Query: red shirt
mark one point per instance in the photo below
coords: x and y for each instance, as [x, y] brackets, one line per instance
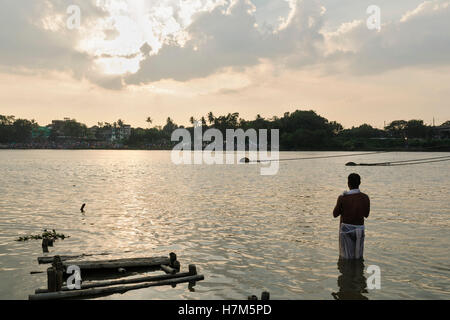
[352, 208]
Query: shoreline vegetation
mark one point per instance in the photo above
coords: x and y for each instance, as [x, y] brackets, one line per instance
[299, 131]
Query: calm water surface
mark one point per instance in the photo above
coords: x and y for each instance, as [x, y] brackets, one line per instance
[245, 232]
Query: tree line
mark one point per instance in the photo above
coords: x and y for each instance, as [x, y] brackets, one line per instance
[299, 130]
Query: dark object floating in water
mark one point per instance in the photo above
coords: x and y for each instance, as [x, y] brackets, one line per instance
[51, 236]
[82, 207]
[245, 160]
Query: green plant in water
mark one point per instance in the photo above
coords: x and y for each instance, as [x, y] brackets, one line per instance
[52, 235]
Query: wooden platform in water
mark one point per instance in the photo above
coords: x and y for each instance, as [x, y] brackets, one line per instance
[56, 276]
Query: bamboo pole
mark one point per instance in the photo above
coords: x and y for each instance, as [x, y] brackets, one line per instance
[110, 290]
[125, 281]
[46, 260]
[119, 263]
[168, 269]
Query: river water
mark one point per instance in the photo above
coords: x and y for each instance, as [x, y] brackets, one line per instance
[247, 233]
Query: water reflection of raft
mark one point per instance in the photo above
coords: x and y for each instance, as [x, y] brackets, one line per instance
[109, 269]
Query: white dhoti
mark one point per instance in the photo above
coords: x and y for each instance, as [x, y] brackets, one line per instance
[351, 241]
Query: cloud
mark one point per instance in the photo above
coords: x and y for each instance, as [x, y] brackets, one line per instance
[229, 36]
[138, 42]
[31, 37]
[419, 38]
[34, 39]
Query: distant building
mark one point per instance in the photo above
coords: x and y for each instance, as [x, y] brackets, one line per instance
[41, 132]
[58, 125]
[442, 132]
[92, 131]
[121, 133]
[101, 133]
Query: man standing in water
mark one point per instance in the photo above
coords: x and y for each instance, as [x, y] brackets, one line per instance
[353, 206]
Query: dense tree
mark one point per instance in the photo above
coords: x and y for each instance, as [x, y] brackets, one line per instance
[299, 130]
[397, 128]
[15, 130]
[336, 127]
[170, 126]
[416, 129]
[363, 131]
[23, 129]
[211, 118]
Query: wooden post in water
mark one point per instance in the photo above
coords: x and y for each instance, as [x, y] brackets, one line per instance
[177, 265]
[59, 272]
[265, 295]
[193, 272]
[174, 263]
[192, 269]
[45, 245]
[173, 258]
[51, 279]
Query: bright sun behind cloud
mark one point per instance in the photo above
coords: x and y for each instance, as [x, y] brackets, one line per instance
[116, 40]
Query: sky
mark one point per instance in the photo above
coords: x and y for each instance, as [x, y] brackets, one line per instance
[132, 59]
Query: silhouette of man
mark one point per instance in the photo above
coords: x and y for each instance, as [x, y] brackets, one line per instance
[352, 206]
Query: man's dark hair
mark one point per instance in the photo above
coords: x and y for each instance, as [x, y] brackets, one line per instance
[354, 180]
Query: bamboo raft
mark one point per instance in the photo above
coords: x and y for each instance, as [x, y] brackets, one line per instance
[56, 275]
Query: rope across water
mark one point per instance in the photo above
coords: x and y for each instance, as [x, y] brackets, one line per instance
[312, 158]
[388, 163]
[402, 162]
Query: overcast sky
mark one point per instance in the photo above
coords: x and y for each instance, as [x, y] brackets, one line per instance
[132, 59]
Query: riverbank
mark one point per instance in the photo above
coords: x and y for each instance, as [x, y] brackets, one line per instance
[106, 146]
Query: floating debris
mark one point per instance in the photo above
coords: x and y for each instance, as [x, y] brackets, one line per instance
[50, 235]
